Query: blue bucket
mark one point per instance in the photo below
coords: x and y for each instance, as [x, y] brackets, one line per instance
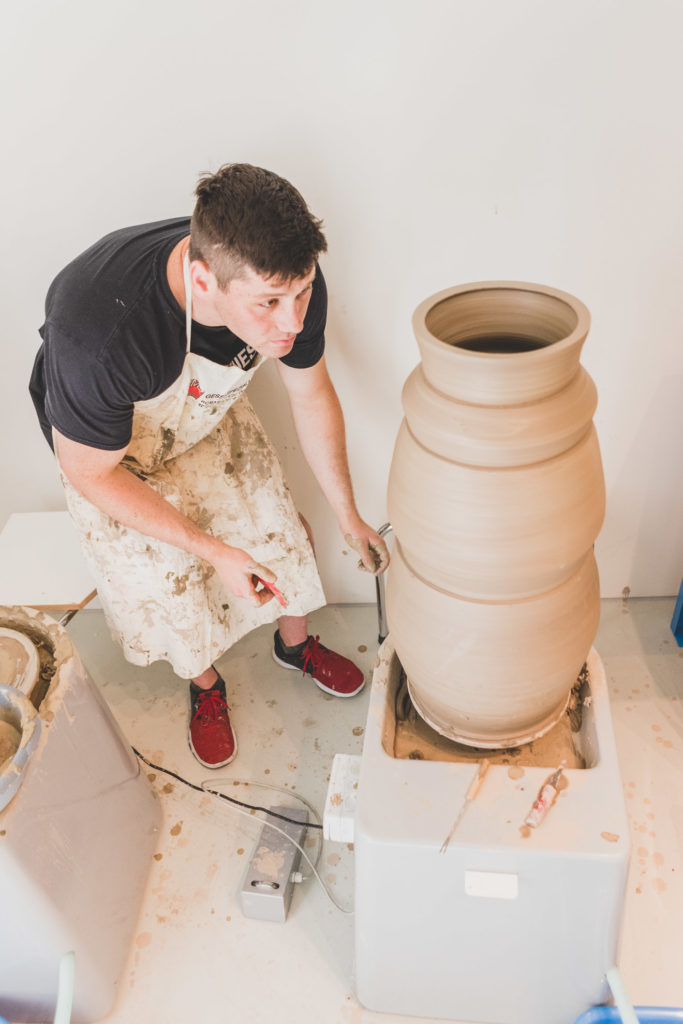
[645, 1014]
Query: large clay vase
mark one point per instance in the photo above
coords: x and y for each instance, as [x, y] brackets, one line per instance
[496, 496]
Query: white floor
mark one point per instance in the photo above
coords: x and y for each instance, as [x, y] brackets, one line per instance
[195, 958]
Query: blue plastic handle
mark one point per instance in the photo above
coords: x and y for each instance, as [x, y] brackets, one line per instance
[645, 1014]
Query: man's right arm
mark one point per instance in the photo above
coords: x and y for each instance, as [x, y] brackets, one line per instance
[101, 478]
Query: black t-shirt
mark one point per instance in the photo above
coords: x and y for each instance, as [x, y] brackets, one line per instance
[114, 335]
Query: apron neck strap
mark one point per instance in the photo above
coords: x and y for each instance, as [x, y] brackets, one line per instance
[188, 302]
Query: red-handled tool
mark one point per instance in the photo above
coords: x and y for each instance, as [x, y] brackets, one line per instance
[271, 587]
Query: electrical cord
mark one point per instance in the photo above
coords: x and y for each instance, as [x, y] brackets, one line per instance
[242, 808]
[223, 796]
[275, 789]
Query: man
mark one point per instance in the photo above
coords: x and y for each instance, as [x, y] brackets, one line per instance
[150, 338]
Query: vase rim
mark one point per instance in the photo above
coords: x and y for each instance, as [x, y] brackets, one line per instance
[428, 305]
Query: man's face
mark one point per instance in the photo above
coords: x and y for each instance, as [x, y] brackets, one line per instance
[266, 313]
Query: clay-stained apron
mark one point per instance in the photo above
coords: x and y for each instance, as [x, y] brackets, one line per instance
[201, 447]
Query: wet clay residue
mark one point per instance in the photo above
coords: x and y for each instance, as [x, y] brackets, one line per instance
[10, 738]
[376, 558]
[179, 582]
[576, 698]
[177, 829]
[374, 553]
[269, 862]
[13, 660]
[42, 641]
[609, 837]
[515, 772]
[166, 442]
[203, 518]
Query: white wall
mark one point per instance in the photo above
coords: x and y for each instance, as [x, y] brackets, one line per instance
[442, 142]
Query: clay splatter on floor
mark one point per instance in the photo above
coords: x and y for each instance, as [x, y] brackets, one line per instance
[177, 829]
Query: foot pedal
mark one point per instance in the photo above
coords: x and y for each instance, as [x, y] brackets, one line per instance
[267, 888]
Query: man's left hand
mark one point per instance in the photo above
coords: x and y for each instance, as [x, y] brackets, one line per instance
[374, 554]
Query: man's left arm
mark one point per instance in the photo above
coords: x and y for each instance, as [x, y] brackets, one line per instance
[320, 426]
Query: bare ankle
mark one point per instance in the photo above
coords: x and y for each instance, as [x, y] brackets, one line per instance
[206, 679]
[293, 629]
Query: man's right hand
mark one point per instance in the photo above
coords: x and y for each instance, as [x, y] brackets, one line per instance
[238, 573]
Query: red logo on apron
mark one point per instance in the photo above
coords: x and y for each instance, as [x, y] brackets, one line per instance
[194, 389]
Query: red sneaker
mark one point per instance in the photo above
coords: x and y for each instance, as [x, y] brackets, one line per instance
[211, 737]
[332, 672]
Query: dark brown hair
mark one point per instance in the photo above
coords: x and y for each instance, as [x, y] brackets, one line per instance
[246, 215]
